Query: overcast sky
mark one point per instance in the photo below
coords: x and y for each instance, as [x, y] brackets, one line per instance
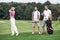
[26, 1]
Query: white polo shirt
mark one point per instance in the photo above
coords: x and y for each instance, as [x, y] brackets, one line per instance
[35, 15]
[47, 14]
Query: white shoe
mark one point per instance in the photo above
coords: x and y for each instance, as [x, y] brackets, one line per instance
[32, 32]
[17, 34]
[39, 32]
[12, 34]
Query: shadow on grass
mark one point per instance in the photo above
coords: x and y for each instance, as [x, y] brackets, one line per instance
[29, 36]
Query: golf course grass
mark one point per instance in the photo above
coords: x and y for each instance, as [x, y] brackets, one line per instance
[25, 28]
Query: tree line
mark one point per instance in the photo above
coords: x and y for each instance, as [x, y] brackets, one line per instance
[24, 10]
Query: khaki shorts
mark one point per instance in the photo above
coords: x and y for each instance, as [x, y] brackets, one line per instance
[35, 24]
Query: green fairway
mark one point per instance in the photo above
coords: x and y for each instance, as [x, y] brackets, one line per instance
[25, 28]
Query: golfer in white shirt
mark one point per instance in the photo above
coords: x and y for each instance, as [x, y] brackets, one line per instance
[47, 15]
[35, 19]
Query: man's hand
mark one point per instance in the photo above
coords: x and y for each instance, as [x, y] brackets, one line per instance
[42, 14]
[38, 20]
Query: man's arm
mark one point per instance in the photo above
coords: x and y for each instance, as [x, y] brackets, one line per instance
[51, 17]
[39, 15]
[43, 13]
[32, 17]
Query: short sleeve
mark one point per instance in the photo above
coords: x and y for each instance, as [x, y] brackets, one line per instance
[50, 11]
[38, 13]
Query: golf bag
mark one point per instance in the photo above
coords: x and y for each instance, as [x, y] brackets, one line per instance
[49, 27]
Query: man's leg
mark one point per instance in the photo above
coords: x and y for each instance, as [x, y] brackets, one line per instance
[15, 28]
[12, 28]
[43, 25]
[38, 28]
[33, 28]
[17, 33]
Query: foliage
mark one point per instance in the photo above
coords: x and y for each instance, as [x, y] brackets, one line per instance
[24, 10]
